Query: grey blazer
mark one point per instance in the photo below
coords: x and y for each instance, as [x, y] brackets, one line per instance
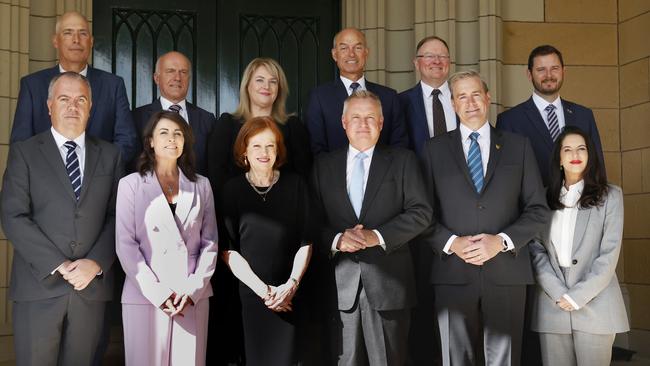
[591, 280]
[47, 225]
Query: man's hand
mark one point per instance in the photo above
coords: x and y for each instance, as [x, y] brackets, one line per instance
[352, 240]
[483, 247]
[459, 244]
[62, 268]
[564, 304]
[369, 236]
[81, 272]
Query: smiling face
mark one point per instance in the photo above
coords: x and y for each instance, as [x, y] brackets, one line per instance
[573, 157]
[350, 53]
[173, 76]
[69, 106]
[261, 151]
[432, 62]
[262, 88]
[471, 102]
[167, 140]
[72, 40]
[362, 122]
[547, 75]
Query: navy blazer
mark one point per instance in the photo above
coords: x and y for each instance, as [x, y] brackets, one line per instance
[201, 122]
[326, 108]
[415, 116]
[110, 116]
[525, 119]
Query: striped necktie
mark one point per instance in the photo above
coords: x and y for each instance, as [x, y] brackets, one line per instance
[354, 86]
[175, 108]
[553, 124]
[72, 166]
[475, 163]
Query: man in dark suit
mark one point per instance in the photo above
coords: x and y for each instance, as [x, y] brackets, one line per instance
[544, 114]
[373, 203]
[58, 211]
[427, 106]
[488, 202]
[350, 53]
[110, 118]
[172, 75]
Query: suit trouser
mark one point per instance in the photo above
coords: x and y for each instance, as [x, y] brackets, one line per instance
[579, 348]
[371, 337]
[63, 330]
[480, 317]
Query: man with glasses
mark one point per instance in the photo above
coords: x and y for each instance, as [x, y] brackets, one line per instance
[427, 106]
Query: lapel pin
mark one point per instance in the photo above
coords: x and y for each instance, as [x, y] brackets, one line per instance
[497, 146]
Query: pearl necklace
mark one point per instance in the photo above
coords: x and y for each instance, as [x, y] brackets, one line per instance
[263, 193]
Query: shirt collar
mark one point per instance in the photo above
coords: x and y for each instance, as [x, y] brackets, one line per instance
[427, 89]
[347, 82]
[570, 197]
[483, 131]
[165, 104]
[60, 140]
[352, 152]
[541, 103]
[83, 72]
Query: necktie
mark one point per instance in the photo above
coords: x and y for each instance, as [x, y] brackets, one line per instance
[175, 108]
[354, 86]
[439, 124]
[356, 183]
[553, 124]
[475, 163]
[72, 166]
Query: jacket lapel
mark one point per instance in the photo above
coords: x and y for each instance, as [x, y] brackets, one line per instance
[52, 155]
[92, 156]
[186, 196]
[96, 89]
[378, 168]
[581, 226]
[536, 120]
[569, 116]
[193, 115]
[159, 210]
[339, 182]
[454, 139]
[421, 124]
[496, 142]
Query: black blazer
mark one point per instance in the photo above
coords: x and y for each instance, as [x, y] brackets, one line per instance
[525, 119]
[201, 122]
[325, 109]
[512, 201]
[394, 203]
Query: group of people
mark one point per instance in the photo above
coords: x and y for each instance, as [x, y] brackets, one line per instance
[385, 229]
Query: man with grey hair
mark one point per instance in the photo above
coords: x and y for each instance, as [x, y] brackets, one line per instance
[323, 116]
[488, 203]
[58, 212]
[110, 118]
[371, 202]
[172, 76]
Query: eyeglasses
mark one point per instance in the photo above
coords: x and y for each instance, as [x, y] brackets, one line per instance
[431, 57]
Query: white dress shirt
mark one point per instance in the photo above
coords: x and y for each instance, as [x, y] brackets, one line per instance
[445, 99]
[347, 82]
[83, 72]
[349, 165]
[541, 105]
[484, 145]
[563, 226]
[165, 104]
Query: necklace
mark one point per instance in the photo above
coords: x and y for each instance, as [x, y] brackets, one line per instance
[263, 192]
[170, 189]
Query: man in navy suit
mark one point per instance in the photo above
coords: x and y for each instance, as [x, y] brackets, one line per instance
[110, 117]
[325, 108]
[172, 75]
[427, 106]
[544, 115]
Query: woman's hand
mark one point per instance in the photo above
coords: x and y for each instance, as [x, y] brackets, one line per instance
[181, 302]
[168, 306]
[283, 297]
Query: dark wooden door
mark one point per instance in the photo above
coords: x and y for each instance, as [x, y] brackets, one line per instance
[219, 37]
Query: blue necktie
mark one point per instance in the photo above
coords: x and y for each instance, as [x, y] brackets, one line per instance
[175, 108]
[553, 124]
[356, 183]
[475, 163]
[72, 166]
[355, 86]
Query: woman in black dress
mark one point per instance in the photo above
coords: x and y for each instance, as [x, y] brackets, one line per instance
[267, 241]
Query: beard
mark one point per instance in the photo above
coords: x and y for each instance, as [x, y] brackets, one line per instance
[541, 89]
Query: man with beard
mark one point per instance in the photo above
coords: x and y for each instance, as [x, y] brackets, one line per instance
[543, 116]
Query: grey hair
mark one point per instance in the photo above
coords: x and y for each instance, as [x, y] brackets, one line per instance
[346, 29]
[157, 67]
[68, 75]
[57, 27]
[363, 94]
[465, 74]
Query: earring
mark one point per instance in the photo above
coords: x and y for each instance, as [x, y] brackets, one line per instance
[245, 160]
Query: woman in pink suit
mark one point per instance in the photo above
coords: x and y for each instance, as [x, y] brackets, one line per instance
[166, 237]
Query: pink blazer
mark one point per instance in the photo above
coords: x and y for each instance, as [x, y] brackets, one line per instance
[159, 252]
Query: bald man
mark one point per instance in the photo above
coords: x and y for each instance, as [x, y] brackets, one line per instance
[110, 117]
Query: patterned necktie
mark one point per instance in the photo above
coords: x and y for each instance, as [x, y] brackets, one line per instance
[475, 163]
[553, 124]
[354, 86]
[439, 124]
[356, 183]
[72, 166]
[175, 108]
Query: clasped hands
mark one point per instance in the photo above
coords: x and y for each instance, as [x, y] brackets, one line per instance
[176, 304]
[279, 298]
[357, 238]
[79, 273]
[564, 304]
[477, 249]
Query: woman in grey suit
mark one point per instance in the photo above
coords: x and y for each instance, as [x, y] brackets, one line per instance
[579, 306]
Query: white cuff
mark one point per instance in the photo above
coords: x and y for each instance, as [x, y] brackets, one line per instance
[56, 269]
[382, 243]
[509, 244]
[333, 248]
[570, 300]
[447, 248]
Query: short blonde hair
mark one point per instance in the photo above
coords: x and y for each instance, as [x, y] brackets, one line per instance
[465, 74]
[279, 111]
[363, 94]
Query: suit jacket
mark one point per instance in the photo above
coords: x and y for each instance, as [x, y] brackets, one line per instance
[525, 119]
[110, 117]
[415, 116]
[591, 281]
[325, 109]
[201, 122]
[161, 252]
[47, 225]
[512, 201]
[395, 204]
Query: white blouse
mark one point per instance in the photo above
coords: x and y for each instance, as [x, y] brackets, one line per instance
[564, 223]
